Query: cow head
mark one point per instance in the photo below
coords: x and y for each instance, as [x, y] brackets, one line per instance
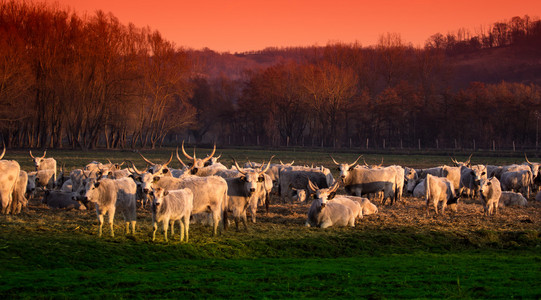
[251, 178]
[91, 191]
[485, 187]
[197, 164]
[158, 169]
[157, 195]
[37, 160]
[345, 168]
[460, 164]
[299, 194]
[212, 161]
[410, 177]
[322, 195]
[144, 179]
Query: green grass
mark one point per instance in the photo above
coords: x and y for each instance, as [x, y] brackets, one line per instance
[57, 254]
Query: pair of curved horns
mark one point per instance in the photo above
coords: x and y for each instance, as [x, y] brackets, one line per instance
[193, 158]
[135, 168]
[258, 173]
[45, 152]
[151, 163]
[314, 187]
[350, 165]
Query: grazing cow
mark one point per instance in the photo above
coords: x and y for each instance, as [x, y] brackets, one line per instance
[170, 206]
[110, 195]
[243, 192]
[438, 189]
[323, 213]
[517, 181]
[210, 193]
[411, 178]
[419, 191]
[512, 199]
[61, 200]
[361, 181]
[490, 192]
[9, 176]
[298, 195]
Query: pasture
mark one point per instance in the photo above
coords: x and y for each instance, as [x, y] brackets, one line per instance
[397, 253]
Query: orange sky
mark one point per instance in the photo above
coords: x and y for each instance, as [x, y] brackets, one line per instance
[243, 25]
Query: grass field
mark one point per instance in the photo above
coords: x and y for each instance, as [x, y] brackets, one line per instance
[399, 253]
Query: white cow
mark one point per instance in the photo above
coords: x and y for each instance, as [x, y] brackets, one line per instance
[170, 206]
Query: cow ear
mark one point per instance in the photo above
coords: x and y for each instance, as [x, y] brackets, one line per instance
[489, 183]
[242, 178]
[331, 196]
[165, 171]
[351, 168]
[472, 172]
[314, 196]
[97, 184]
[483, 173]
[338, 168]
[156, 179]
[166, 193]
[261, 179]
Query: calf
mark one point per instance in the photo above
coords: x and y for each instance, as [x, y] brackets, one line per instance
[368, 208]
[169, 206]
[438, 189]
[490, 192]
[110, 194]
[62, 200]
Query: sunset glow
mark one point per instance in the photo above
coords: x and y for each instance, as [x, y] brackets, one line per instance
[242, 25]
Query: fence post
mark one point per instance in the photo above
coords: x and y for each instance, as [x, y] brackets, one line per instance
[401, 145]
[287, 142]
[473, 144]
[383, 143]
[437, 144]
[493, 145]
[366, 143]
[514, 146]
[349, 143]
[419, 143]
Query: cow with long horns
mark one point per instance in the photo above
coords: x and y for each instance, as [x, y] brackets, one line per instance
[42, 163]
[158, 169]
[198, 165]
[362, 181]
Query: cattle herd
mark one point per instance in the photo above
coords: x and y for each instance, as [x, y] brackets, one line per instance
[205, 190]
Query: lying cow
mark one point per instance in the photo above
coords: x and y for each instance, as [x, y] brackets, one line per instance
[512, 199]
[170, 206]
[368, 208]
[61, 200]
[324, 213]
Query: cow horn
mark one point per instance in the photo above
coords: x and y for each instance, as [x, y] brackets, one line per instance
[210, 155]
[381, 162]
[349, 166]
[527, 158]
[30, 153]
[334, 160]
[334, 187]
[281, 162]
[44, 152]
[134, 168]
[109, 161]
[292, 162]
[454, 161]
[146, 160]
[268, 165]
[180, 160]
[237, 166]
[312, 186]
[365, 163]
[3, 151]
[469, 158]
[186, 154]
[169, 161]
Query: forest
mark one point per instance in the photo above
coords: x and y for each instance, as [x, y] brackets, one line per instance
[88, 81]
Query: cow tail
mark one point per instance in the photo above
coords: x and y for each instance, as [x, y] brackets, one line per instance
[225, 205]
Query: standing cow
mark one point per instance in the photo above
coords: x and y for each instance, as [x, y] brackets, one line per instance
[170, 206]
[110, 195]
[490, 193]
[9, 176]
[42, 163]
[438, 190]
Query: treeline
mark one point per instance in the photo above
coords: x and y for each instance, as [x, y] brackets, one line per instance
[89, 81]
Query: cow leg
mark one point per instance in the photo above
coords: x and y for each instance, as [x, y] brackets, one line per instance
[253, 211]
[155, 227]
[133, 226]
[111, 221]
[245, 220]
[443, 207]
[435, 203]
[216, 221]
[172, 224]
[165, 228]
[100, 221]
